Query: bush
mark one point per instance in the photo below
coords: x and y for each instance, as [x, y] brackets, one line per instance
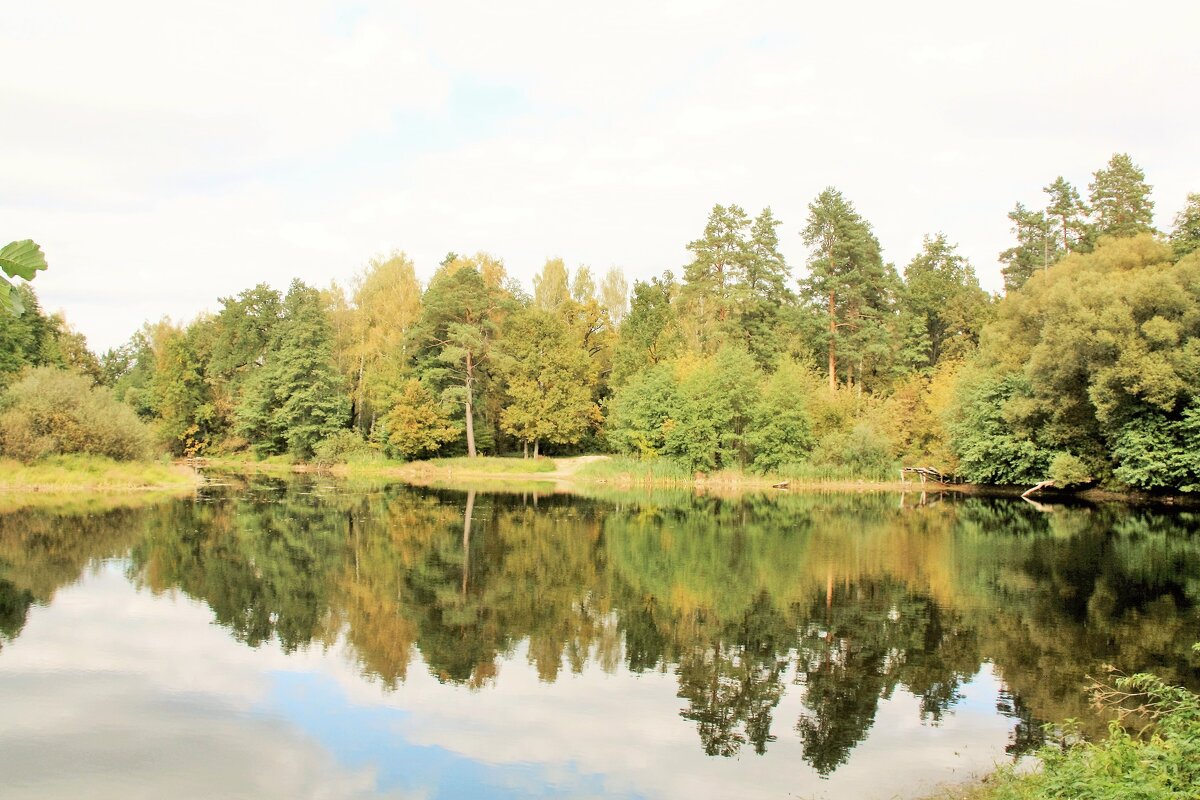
[342, 447]
[52, 412]
[863, 452]
[1162, 762]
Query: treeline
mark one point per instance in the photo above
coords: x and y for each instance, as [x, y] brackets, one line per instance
[1086, 370]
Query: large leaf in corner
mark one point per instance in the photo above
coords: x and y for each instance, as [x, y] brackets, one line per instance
[23, 258]
[10, 298]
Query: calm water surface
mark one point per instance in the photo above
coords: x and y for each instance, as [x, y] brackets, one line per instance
[307, 640]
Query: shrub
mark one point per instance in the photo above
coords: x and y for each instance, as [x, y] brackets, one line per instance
[863, 451]
[342, 447]
[52, 412]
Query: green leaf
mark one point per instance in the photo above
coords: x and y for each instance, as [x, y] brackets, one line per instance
[23, 258]
[10, 298]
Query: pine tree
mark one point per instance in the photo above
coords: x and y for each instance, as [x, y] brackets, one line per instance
[846, 277]
[762, 291]
[943, 294]
[297, 398]
[1035, 250]
[719, 262]
[453, 337]
[1067, 217]
[1120, 199]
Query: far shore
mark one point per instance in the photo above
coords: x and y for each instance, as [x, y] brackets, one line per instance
[67, 475]
[568, 472]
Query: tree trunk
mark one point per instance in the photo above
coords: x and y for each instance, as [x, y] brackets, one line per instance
[467, 538]
[470, 384]
[832, 350]
[536, 442]
[525, 449]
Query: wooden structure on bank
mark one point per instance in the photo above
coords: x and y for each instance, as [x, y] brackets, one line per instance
[925, 474]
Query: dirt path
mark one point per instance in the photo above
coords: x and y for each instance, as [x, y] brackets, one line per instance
[565, 468]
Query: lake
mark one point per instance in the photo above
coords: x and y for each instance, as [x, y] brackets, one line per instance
[304, 638]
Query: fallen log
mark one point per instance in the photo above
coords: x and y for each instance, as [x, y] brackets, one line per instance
[1038, 488]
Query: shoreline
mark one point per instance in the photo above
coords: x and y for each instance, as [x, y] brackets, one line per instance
[565, 475]
[93, 475]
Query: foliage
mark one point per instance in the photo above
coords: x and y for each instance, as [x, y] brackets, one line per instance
[1185, 236]
[296, 399]
[20, 259]
[863, 451]
[1162, 762]
[51, 412]
[416, 423]
[342, 447]
[1096, 357]
[1120, 198]
[780, 430]
[849, 282]
[546, 379]
[713, 415]
[943, 296]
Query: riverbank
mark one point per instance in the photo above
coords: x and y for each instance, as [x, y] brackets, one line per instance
[623, 472]
[76, 473]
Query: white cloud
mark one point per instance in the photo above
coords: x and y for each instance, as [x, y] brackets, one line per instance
[242, 142]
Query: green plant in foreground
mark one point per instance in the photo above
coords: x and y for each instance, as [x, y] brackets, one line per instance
[18, 259]
[1159, 761]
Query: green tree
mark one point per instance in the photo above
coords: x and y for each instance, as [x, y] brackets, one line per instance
[716, 401]
[848, 279]
[182, 397]
[547, 380]
[641, 412]
[650, 334]
[452, 338]
[26, 338]
[297, 398]
[1036, 247]
[942, 295]
[719, 261]
[1185, 236]
[1067, 216]
[1094, 359]
[416, 423]
[780, 430]
[1120, 198]
[762, 292]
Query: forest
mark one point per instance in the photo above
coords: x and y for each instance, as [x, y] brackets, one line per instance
[1086, 371]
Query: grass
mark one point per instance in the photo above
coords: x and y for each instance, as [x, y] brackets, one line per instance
[628, 469]
[666, 471]
[92, 473]
[491, 465]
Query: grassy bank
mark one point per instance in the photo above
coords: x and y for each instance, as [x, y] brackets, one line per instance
[628, 471]
[76, 473]
[1151, 752]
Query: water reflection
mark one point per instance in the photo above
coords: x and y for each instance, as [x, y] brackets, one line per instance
[839, 602]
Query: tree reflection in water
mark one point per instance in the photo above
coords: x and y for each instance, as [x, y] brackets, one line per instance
[844, 598]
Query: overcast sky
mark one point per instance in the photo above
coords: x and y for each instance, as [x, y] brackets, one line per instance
[167, 154]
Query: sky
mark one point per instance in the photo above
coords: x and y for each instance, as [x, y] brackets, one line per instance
[168, 154]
